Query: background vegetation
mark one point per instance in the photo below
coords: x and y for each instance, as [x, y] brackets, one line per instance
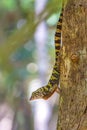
[25, 62]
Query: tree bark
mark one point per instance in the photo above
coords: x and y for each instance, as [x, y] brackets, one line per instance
[72, 110]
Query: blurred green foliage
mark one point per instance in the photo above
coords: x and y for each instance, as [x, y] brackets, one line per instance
[14, 55]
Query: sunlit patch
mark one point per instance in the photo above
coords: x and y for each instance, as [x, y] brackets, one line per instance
[52, 20]
[32, 67]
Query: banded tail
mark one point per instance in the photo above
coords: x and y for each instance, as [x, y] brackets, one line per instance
[46, 91]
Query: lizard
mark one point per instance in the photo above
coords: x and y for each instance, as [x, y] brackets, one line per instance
[46, 91]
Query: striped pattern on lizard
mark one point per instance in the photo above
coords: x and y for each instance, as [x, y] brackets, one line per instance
[46, 91]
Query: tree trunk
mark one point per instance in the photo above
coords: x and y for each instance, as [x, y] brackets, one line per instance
[72, 111]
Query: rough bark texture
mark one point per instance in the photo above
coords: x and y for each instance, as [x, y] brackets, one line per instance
[72, 110]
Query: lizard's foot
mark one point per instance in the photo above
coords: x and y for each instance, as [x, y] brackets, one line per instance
[58, 90]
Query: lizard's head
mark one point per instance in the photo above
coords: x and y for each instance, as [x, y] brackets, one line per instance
[38, 94]
[43, 93]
